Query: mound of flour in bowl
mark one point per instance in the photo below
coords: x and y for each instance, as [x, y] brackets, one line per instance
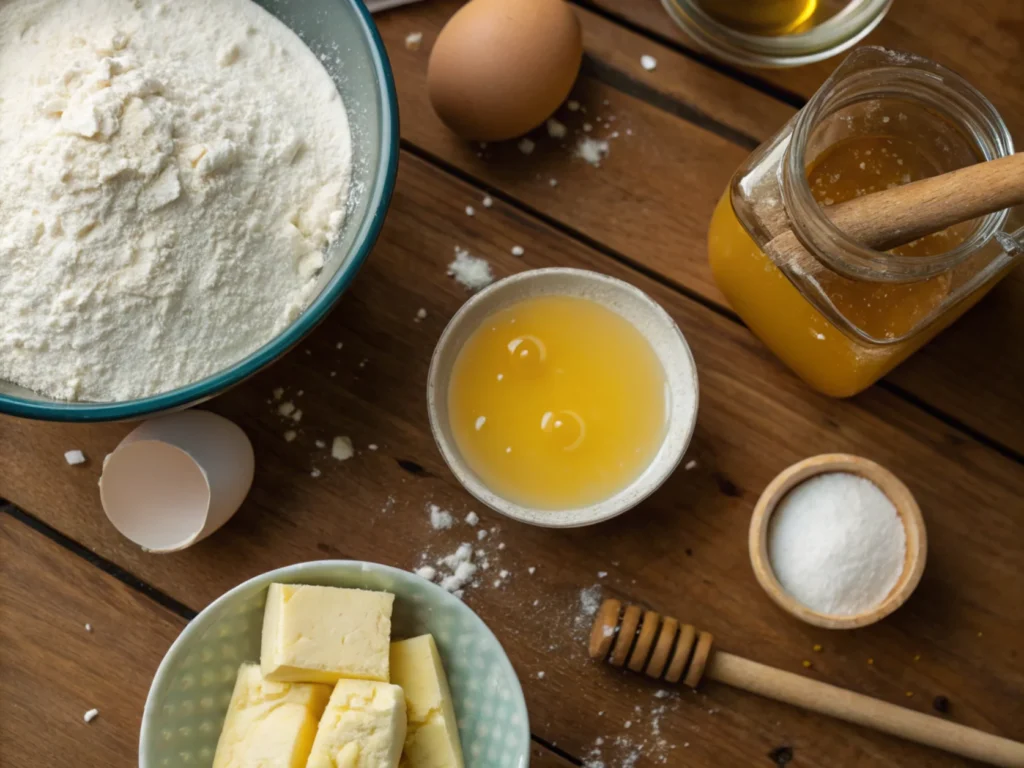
[171, 174]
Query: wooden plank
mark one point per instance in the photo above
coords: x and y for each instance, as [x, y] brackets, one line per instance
[652, 197]
[982, 41]
[52, 670]
[683, 551]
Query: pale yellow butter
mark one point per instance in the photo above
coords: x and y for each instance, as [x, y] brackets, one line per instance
[322, 634]
[269, 725]
[433, 737]
[363, 727]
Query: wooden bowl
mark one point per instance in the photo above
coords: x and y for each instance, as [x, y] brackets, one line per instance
[890, 485]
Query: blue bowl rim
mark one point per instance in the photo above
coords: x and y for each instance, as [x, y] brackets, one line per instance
[199, 623]
[387, 172]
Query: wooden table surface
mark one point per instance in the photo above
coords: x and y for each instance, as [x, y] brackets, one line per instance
[950, 423]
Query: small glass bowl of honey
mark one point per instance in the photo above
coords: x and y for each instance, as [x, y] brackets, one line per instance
[562, 397]
[776, 33]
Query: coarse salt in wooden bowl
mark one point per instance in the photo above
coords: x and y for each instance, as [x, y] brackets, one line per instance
[890, 485]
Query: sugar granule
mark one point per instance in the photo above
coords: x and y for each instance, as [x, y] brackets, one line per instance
[413, 41]
[526, 146]
[518, 250]
[472, 518]
[74, 457]
[648, 62]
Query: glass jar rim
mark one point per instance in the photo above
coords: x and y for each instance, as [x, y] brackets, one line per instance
[833, 36]
[980, 120]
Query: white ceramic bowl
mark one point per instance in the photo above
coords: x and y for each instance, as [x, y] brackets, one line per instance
[637, 307]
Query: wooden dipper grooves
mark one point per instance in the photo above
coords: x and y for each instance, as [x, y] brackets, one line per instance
[645, 637]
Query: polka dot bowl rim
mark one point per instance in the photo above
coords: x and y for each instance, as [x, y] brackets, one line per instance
[351, 574]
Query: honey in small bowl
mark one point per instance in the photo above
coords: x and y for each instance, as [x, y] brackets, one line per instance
[557, 402]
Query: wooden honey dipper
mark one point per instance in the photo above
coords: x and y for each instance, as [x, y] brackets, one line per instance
[892, 217]
[644, 641]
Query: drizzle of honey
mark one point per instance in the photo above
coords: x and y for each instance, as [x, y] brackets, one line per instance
[557, 402]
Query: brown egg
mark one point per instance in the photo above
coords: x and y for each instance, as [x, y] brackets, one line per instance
[501, 67]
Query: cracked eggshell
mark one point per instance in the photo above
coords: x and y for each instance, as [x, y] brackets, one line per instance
[176, 479]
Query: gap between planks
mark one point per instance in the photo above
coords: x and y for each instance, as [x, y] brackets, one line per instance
[160, 597]
[913, 400]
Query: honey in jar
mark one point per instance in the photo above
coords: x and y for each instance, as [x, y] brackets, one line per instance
[557, 402]
[855, 313]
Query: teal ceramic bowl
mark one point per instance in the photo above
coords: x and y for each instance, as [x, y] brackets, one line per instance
[190, 693]
[345, 30]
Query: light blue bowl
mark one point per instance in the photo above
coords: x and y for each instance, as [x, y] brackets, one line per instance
[190, 693]
[340, 29]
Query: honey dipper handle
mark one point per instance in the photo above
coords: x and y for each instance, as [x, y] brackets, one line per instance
[863, 710]
[899, 215]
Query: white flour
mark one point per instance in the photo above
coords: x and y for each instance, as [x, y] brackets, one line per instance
[170, 175]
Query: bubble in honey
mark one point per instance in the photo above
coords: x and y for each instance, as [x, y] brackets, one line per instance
[527, 356]
[565, 428]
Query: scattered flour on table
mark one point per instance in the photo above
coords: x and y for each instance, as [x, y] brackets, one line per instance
[592, 150]
[172, 175]
[470, 271]
[341, 449]
[440, 519]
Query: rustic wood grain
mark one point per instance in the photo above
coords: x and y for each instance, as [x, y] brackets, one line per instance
[652, 197]
[52, 670]
[683, 552]
[982, 40]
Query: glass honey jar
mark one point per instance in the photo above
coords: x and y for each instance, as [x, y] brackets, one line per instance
[848, 315]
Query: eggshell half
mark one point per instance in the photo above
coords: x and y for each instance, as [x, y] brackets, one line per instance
[176, 479]
[501, 67]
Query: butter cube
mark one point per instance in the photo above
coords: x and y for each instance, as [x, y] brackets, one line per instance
[322, 634]
[269, 725]
[433, 737]
[362, 727]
